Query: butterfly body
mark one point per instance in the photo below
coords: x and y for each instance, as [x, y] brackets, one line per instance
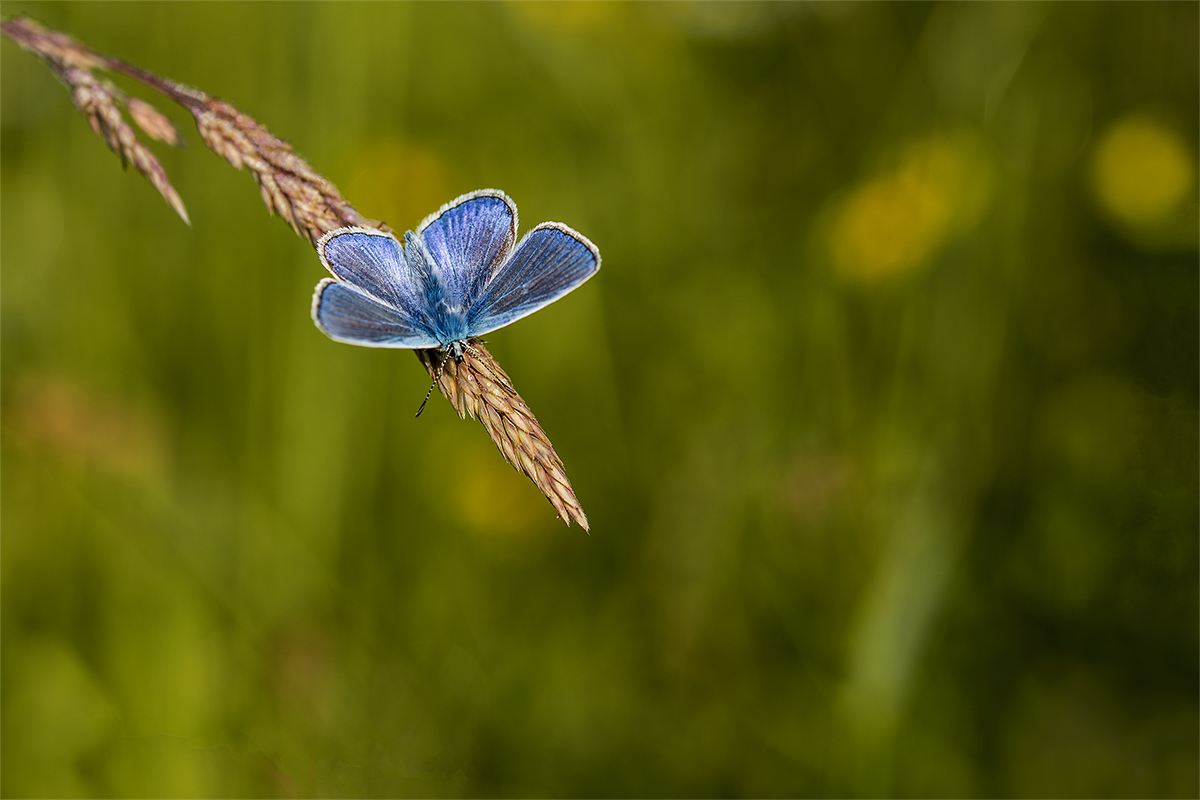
[461, 274]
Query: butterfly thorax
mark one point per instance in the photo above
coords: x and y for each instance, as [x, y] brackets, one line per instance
[449, 323]
[449, 314]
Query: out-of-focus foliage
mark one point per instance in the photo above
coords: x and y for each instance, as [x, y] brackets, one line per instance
[883, 409]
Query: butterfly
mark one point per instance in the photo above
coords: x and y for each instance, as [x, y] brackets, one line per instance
[461, 274]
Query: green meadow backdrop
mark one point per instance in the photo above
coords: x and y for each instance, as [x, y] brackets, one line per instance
[883, 409]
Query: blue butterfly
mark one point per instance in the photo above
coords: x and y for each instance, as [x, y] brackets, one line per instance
[462, 274]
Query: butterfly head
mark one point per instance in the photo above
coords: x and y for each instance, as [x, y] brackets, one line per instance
[455, 350]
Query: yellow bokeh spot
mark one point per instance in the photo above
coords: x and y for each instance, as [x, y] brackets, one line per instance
[901, 217]
[1143, 171]
[577, 15]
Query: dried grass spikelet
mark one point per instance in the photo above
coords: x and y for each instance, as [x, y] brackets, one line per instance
[290, 187]
[312, 206]
[151, 120]
[98, 101]
[480, 388]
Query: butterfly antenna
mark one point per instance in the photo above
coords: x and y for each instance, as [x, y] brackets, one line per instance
[426, 400]
[436, 378]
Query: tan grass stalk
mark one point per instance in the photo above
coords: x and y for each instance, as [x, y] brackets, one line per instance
[312, 206]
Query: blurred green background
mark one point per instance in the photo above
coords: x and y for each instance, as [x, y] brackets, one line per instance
[883, 410]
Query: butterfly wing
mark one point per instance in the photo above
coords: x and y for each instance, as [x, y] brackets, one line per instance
[374, 262]
[549, 261]
[377, 301]
[468, 238]
[347, 314]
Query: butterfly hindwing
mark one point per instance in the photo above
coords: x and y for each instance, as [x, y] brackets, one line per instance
[549, 261]
[347, 314]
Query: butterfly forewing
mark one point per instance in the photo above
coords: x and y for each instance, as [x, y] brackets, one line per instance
[550, 261]
[467, 239]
